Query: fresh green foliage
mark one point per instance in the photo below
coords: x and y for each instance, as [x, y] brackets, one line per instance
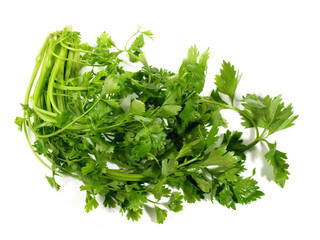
[228, 80]
[268, 113]
[277, 160]
[165, 140]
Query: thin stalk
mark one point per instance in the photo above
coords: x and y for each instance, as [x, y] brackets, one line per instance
[44, 117]
[77, 49]
[70, 88]
[115, 174]
[251, 145]
[76, 61]
[241, 112]
[40, 110]
[47, 63]
[125, 47]
[189, 161]
[56, 68]
[30, 145]
[61, 100]
[68, 125]
[39, 60]
[115, 125]
[70, 64]
[76, 66]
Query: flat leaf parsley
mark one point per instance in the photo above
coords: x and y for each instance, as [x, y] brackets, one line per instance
[163, 140]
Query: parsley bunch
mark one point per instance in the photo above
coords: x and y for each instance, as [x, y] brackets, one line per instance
[145, 137]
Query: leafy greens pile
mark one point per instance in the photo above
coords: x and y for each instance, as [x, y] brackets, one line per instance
[144, 137]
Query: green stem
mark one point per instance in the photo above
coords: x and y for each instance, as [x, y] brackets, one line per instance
[115, 174]
[216, 103]
[47, 63]
[71, 123]
[152, 201]
[26, 115]
[189, 161]
[44, 117]
[125, 47]
[77, 49]
[76, 61]
[241, 112]
[69, 65]
[115, 125]
[56, 68]
[40, 110]
[30, 145]
[245, 115]
[70, 88]
[251, 145]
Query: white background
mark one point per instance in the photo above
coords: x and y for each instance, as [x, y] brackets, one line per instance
[275, 44]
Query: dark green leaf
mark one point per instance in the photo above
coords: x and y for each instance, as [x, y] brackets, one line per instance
[191, 192]
[202, 183]
[246, 191]
[168, 166]
[225, 196]
[189, 113]
[109, 201]
[212, 137]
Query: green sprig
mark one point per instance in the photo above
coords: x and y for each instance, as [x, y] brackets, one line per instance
[152, 125]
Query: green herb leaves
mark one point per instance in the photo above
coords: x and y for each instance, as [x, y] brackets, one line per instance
[268, 113]
[193, 69]
[277, 160]
[228, 80]
[145, 139]
[137, 107]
